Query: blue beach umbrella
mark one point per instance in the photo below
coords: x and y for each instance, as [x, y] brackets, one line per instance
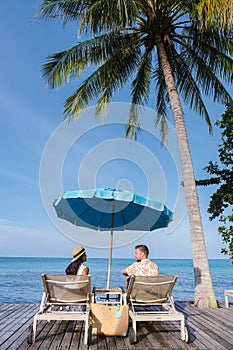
[107, 209]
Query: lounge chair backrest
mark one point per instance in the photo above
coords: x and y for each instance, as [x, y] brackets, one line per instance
[150, 289]
[67, 289]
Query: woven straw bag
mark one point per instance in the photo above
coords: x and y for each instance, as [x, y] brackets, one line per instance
[110, 320]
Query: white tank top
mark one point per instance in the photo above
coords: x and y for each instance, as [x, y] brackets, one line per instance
[80, 269]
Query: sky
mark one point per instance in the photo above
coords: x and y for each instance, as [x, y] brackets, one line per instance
[42, 155]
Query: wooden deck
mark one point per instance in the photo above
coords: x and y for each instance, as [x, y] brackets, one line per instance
[209, 329]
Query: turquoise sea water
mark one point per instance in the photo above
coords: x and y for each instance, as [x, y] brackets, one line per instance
[20, 278]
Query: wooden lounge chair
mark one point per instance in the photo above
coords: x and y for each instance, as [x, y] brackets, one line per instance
[65, 297]
[227, 293]
[150, 299]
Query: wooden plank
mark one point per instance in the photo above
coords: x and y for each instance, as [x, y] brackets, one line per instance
[169, 335]
[55, 344]
[128, 345]
[9, 315]
[172, 332]
[112, 343]
[5, 309]
[175, 331]
[151, 336]
[76, 342]
[218, 317]
[93, 344]
[43, 330]
[213, 320]
[16, 328]
[194, 343]
[47, 341]
[17, 341]
[141, 341]
[209, 329]
[66, 341]
[221, 318]
[101, 342]
[199, 337]
[150, 333]
[81, 335]
[207, 333]
[24, 345]
[120, 342]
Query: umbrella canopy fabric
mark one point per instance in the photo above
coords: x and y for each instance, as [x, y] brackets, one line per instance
[93, 209]
[109, 209]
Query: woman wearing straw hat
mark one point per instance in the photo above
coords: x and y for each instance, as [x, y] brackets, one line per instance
[76, 267]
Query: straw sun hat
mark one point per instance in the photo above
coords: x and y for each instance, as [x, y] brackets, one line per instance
[77, 252]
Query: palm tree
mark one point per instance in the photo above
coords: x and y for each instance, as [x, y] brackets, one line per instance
[157, 46]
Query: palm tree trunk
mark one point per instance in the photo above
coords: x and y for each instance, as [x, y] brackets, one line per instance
[204, 293]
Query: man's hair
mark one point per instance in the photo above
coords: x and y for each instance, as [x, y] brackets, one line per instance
[143, 248]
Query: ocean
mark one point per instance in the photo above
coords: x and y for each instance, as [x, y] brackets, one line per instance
[20, 278]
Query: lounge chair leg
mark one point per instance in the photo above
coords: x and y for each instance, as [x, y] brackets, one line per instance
[226, 300]
[134, 332]
[34, 330]
[182, 329]
[132, 336]
[30, 335]
[89, 335]
[187, 335]
[86, 332]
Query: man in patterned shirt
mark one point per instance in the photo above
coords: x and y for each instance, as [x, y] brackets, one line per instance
[143, 266]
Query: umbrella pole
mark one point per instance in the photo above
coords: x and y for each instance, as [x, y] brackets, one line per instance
[111, 245]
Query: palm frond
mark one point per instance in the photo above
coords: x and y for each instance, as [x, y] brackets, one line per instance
[215, 13]
[99, 16]
[206, 75]
[63, 66]
[199, 65]
[63, 10]
[215, 50]
[111, 76]
[140, 92]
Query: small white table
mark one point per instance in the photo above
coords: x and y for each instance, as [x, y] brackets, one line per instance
[108, 295]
